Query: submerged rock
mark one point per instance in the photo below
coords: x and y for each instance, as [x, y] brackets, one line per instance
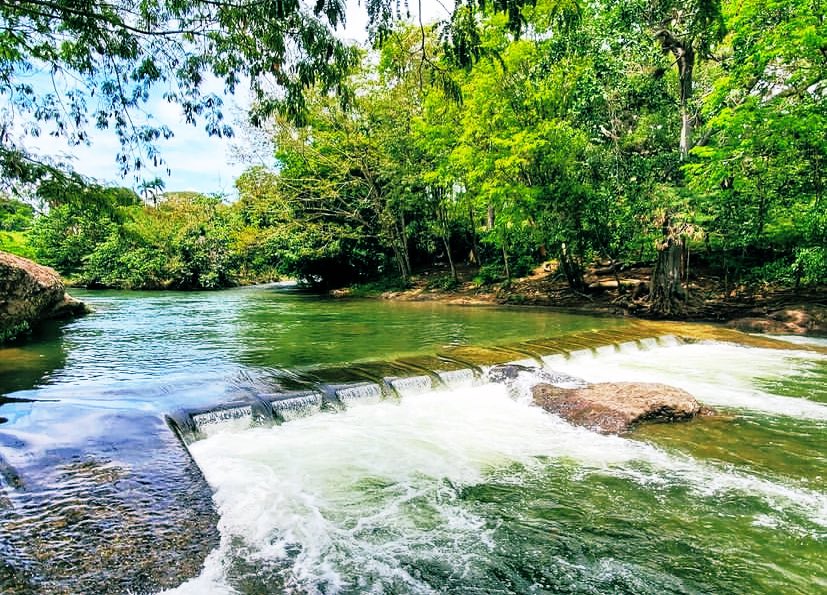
[29, 294]
[509, 373]
[615, 407]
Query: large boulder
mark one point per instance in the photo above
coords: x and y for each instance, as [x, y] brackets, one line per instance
[29, 294]
[793, 320]
[616, 407]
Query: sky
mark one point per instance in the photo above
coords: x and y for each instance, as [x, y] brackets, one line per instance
[196, 161]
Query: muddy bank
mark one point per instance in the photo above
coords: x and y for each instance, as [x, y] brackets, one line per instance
[750, 309]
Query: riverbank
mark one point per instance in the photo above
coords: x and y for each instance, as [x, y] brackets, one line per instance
[752, 308]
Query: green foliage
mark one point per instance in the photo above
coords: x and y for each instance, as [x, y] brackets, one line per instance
[378, 287]
[489, 274]
[105, 238]
[15, 215]
[9, 333]
[16, 218]
[17, 242]
[443, 282]
[471, 143]
[105, 60]
[776, 272]
[810, 265]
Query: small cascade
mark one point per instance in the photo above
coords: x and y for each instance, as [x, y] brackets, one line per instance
[648, 343]
[294, 406]
[586, 353]
[414, 385]
[464, 366]
[605, 350]
[669, 341]
[208, 420]
[628, 347]
[458, 378]
[362, 393]
[193, 424]
[550, 361]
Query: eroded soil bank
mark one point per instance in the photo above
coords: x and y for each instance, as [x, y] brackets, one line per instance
[624, 292]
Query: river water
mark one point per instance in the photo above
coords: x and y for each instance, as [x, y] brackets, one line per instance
[467, 489]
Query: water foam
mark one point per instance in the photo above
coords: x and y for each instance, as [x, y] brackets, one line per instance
[329, 498]
[717, 374]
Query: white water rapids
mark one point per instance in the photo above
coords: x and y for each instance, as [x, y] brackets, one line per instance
[340, 502]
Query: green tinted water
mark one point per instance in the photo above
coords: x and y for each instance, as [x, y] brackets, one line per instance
[466, 491]
[162, 349]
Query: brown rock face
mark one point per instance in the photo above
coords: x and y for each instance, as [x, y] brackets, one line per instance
[615, 407]
[796, 320]
[30, 293]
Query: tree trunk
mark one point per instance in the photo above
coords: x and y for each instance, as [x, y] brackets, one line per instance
[571, 269]
[475, 251]
[685, 67]
[398, 251]
[450, 258]
[685, 59]
[404, 240]
[666, 288]
[446, 240]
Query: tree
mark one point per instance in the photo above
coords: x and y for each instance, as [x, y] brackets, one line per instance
[151, 190]
[99, 63]
[760, 176]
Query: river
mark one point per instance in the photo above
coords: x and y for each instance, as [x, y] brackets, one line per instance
[461, 488]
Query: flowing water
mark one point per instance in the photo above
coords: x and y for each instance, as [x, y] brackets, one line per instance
[416, 475]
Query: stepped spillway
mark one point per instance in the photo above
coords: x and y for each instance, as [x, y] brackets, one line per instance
[454, 367]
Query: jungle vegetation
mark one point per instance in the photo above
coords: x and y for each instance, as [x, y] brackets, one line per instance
[516, 133]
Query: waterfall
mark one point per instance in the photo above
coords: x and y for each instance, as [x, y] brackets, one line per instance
[292, 407]
[458, 378]
[414, 385]
[563, 362]
[363, 393]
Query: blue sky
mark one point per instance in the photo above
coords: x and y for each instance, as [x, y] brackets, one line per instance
[196, 161]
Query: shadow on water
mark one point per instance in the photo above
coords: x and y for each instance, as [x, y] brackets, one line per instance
[30, 363]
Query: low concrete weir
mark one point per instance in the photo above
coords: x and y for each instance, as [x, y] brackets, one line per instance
[115, 486]
[457, 366]
[371, 382]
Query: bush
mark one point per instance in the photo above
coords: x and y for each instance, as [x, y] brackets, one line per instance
[16, 242]
[522, 266]
[15, 215]
[488, 274]
[810, 266]
[443, 282]
[776, 272]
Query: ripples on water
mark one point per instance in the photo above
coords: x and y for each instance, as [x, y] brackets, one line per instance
[470, 491]
[466, 490]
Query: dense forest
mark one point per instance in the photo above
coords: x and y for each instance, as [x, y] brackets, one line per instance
[567, 132]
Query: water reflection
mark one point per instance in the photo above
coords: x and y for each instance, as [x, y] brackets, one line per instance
[33, 362]
[90, 476]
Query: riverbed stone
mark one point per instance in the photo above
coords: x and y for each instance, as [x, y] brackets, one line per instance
[29, 294]
[617, 407]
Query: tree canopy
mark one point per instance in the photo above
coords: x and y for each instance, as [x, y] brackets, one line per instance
[625, 131]
[96, 64]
